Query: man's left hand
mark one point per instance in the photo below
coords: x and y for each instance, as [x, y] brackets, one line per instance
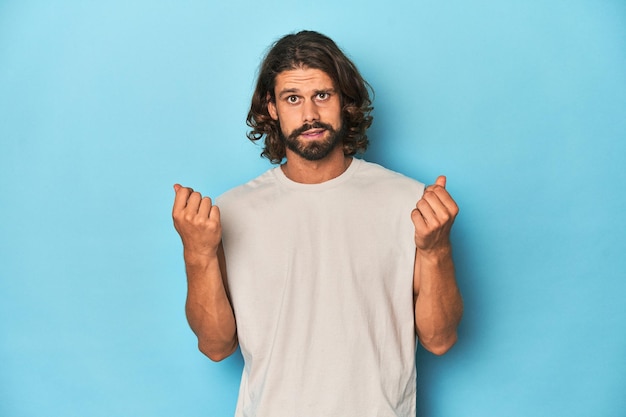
[433, 217]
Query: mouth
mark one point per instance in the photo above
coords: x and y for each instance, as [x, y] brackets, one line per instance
[312, 134]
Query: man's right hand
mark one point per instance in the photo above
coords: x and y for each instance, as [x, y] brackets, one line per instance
[209, 312]
[197, 222]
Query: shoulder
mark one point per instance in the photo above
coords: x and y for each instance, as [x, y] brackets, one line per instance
[253, 189]
[374, 175]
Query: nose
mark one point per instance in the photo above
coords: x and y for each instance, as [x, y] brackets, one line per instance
[310, 112]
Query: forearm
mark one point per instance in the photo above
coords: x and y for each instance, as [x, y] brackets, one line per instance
[438, 302]
[209, 312]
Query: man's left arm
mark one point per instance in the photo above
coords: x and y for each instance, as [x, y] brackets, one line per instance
[438, 302]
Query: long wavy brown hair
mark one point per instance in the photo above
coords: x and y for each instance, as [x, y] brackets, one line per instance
[308, 49]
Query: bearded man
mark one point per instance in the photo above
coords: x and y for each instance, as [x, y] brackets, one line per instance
[327, 269]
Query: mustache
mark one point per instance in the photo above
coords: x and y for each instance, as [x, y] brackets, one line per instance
[309, 126]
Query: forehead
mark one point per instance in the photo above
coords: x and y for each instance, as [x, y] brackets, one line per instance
[303, 79]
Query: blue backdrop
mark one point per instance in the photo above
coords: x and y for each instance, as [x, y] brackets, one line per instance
[105, 105]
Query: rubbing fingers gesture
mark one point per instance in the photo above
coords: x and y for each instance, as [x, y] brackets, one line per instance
[433, 217]
[197, 221]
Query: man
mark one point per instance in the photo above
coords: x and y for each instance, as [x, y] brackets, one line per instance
[326, 268]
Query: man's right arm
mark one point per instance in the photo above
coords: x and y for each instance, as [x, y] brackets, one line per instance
[209, 312]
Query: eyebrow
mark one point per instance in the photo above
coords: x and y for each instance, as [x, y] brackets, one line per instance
[286, 91]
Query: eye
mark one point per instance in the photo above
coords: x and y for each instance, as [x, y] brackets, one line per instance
[323, 96]
[292, 99]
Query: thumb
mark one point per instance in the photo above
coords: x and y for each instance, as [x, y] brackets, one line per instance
[177, 187]
[441, 181]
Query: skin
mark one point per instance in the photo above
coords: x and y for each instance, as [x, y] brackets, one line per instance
[304, 96]
[208, 308]
[438, 302]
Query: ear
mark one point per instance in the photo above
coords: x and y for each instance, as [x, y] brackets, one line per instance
[271, 107]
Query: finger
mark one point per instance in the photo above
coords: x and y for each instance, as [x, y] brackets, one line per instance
[438, 189]
[193, 202]
[205, 208]
[444, 210]
[180, 201]
[418, 219]
[440, 182]
[446, 201]
[178, 187]
[215, 214]
[429, 207]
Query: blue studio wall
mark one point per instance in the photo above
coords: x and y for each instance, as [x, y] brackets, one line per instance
[105, 105]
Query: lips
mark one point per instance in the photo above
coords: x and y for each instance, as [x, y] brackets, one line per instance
[313, 133]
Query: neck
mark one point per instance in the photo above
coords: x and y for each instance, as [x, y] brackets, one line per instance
[304, 171]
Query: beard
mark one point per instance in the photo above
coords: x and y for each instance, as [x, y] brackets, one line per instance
[313, 150]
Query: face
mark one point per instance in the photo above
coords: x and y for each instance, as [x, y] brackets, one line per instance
[308, 108]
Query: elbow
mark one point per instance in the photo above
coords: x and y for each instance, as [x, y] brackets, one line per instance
[217, 354]
[440, 347]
